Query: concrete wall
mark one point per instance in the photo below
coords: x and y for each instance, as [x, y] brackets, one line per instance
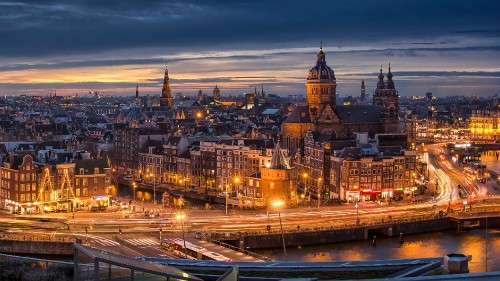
[304, 238]
[36, 247]
[343, 235]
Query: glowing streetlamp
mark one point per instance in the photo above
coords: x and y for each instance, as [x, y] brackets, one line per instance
[227, 187]
[182, 217]
[357, 213]
[237, 184]
[304, 175]
[134, 185]
[277, 205]
[152, 175]
[319, 187]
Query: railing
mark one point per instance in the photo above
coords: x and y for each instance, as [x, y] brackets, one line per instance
[42, 238]
[45, 270]
[246, 252]
[382, 222]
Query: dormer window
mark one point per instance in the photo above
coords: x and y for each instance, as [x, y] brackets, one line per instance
[96, 170]
[82, 171]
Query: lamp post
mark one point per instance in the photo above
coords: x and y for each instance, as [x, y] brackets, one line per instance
[304, 175]
[227, 187]
[181, 216]
[153, 176]
[237, 184]
[319, 187]
[357, 213]
[277, 205]
[134, 185]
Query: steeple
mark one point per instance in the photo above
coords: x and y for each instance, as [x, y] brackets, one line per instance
[321, 55]
[380, 83]
[166, 98]
[279, 161]
[166, 91]
[389, 84]
[363, 90]
[216, 93]
[200, 95]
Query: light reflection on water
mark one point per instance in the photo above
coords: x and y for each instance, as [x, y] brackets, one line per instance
[428, 245]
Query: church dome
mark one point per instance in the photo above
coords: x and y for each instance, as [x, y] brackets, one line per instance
[321, 70]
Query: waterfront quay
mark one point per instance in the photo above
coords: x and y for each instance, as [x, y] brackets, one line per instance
[366, 231]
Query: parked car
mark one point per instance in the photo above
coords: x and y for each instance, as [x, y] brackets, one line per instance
[198, 235]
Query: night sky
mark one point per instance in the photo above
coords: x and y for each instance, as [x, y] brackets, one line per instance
[446, 47]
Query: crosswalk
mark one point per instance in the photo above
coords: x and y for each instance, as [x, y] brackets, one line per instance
[143, 242]
[101, 240]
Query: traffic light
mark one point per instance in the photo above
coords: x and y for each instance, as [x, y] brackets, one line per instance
[160, 229]
[268, 227]
[327, 193]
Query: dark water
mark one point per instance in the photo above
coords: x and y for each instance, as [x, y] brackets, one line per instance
[428, 245]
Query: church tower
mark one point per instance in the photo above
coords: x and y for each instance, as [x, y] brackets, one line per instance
[166, 98]
[200, 96]
[321, 84]
[363, 91]
[387, 98]
[216, 93]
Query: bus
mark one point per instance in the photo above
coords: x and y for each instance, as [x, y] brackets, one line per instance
[193, 251]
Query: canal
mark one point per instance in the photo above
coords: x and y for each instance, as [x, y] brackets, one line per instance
[427, 245]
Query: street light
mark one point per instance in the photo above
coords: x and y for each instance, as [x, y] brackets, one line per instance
[277, 205]
[357, 213]
[319, 186]
[181, 217]
[304, 175]
[237, 184]
[134, 185]
[227, 187]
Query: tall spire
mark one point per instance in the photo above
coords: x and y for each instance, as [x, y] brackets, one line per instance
[137, 90]
[278, 160]
[166, 91]
[380, 83]
[166, 98]
[363, 90]
[389, 84]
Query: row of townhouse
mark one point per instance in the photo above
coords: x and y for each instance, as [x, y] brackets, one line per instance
[353, 170]
[27, 186]
[209, 165]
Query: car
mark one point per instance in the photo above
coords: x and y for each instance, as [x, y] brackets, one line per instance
[138, 180]
[198, 235]
[128, 178]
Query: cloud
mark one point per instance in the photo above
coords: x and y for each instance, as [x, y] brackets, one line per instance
[36, 28]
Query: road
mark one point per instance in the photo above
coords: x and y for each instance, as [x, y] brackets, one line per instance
[101, 229]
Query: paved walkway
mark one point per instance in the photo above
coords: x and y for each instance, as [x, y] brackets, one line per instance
[232, 254]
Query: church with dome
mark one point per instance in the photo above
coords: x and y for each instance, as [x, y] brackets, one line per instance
[321, 114]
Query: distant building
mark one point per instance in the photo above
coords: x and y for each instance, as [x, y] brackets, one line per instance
[484, 125]
[322, 114]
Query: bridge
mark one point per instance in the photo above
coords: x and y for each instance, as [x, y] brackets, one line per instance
[476, 217]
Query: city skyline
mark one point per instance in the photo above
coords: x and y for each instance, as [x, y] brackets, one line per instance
[448, 47]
